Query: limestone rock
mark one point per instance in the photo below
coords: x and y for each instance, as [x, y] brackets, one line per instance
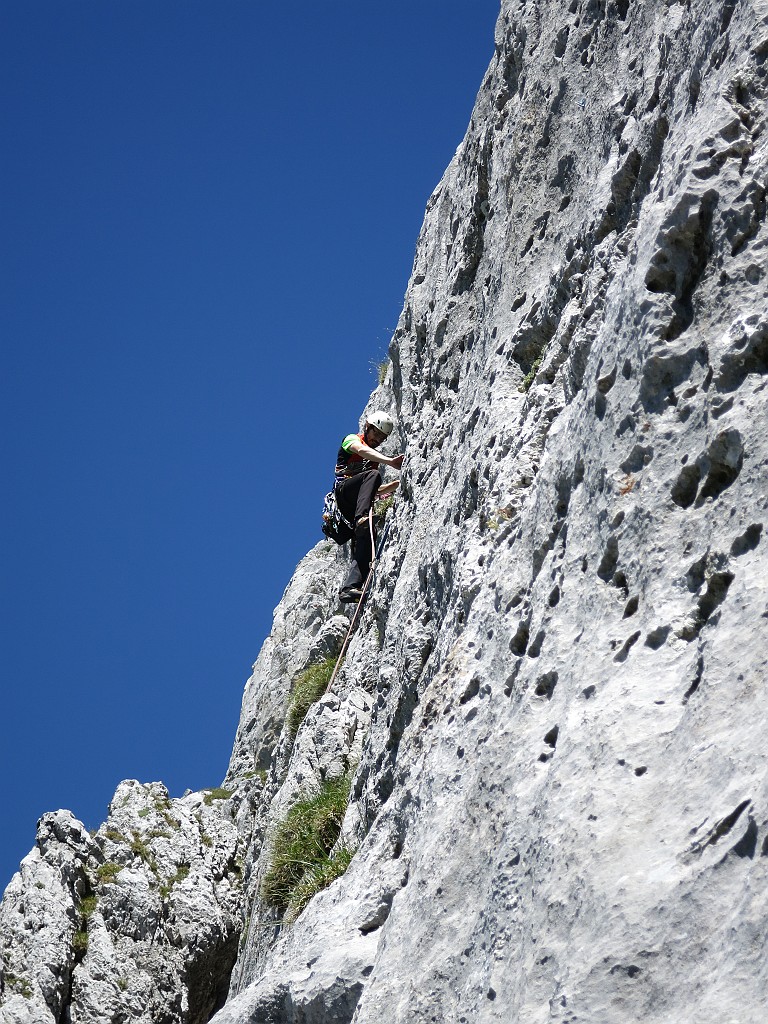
[554, 707]
[138, 922]
[566, 646]
[302, 632]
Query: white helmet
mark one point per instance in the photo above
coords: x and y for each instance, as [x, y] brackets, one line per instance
[382, 421]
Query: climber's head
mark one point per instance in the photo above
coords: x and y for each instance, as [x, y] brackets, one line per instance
[378, 427]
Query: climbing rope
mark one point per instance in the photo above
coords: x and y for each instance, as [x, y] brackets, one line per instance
[367, 583]
[375, 551]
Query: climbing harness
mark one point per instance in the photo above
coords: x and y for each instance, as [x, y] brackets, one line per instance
[376, 549]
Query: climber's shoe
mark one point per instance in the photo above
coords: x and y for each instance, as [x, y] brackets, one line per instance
[350, 595]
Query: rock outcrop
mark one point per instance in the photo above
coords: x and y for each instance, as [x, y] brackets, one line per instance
[138, 922]
[551, 717]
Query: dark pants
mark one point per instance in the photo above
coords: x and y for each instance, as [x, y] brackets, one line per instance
[355, 496]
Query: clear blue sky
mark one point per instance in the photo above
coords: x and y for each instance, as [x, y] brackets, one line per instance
[209, 212]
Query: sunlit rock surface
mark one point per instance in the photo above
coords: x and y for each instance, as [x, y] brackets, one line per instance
[138, 922]
[561, 803]
[554, 707]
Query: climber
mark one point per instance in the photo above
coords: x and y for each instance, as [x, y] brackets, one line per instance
[358, 483]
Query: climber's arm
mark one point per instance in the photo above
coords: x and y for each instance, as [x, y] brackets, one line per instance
[357, 446]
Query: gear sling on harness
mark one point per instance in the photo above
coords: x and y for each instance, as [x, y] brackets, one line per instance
[335, 526]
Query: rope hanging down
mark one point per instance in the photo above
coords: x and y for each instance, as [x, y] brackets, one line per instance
[367, 583]
[376, 550]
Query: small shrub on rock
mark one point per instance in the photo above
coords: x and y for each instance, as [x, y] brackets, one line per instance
[529, 378]
[382, 506]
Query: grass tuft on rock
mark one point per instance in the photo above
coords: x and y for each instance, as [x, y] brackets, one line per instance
[301, 863]
[108, 872]
[16, 984]
[380, 368]
[182, 872]
[318, 877]
[216, 793]
[88, 906]
[309, 686]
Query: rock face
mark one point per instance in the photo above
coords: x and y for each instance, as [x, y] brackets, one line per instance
[553, 711]
[138, 922]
